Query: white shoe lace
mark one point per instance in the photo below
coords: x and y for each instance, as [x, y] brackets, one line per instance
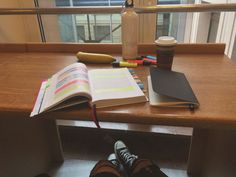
[127, 157]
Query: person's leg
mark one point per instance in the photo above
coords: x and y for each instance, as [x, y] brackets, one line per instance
[146, 168]
[106, 168]
[134, 166]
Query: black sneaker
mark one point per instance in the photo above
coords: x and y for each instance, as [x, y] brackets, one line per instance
[124, 156]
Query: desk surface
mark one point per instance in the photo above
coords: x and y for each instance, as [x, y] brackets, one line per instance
[212, 77]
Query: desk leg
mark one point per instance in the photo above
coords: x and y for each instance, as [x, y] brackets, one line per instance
[212, 153]
[28, 147]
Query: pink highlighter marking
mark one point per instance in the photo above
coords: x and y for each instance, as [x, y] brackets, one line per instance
[70, 83]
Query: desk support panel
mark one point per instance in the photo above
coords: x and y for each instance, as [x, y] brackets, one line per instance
[28, 147]
[212, 153]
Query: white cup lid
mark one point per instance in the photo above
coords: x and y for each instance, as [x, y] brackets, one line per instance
[165, 41]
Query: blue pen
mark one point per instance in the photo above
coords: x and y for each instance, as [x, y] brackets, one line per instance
[131, 71]
[151, 57]
[141, 86]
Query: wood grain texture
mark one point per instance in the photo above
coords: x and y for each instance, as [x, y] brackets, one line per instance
[109, 48]
[13, 47]
[212, 78]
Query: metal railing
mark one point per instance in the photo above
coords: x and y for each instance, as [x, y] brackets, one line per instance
[118, 9]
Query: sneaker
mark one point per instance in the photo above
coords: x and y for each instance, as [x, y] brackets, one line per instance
[124, 156]
[112, 158]
[107, 168]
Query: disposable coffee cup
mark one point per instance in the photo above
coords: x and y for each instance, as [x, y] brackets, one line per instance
[165, 49]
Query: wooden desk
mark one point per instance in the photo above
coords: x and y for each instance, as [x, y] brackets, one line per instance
[210, 73]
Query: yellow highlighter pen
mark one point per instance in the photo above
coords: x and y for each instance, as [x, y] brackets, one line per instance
[124, 64]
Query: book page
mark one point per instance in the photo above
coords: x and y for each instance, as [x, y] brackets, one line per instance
[69, 82]
[39, 100]
[114, 84]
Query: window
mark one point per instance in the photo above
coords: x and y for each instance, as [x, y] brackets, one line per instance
[62, 2]
[80, 33]
[214, 23]
[66, 28]
[173, 24]
[185, 27]
[97, 2]
[109, 25]
[102, 32]
[90, 27]
[163, 24]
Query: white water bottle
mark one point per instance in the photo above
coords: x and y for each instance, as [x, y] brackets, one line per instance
[129, 30]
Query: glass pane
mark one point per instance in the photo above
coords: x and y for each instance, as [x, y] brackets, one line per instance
[88, 28]
[83, 28]
[62, 2]
[163, 27]
[89, 2]
[66, 28]
[102, 32]
[214, 23]
[189, 27]
[173, 24]
[80, 33]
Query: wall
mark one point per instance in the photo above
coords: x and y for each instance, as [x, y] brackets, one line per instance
[18, 28]
[203, 30]
[50, 23]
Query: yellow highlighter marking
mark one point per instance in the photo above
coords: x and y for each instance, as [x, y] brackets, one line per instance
[122, 89]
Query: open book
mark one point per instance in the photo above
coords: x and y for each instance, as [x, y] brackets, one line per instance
[75, 85]
[170, 88]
